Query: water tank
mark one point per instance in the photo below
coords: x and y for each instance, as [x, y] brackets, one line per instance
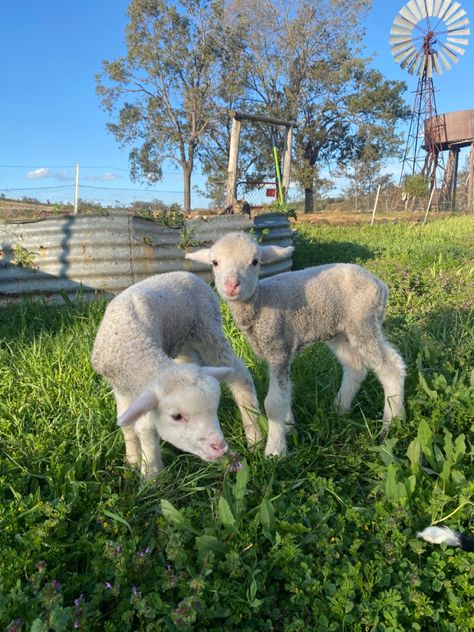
[453, 129]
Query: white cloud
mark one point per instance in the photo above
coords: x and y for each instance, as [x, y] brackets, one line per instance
[39, 174]
[103, 177]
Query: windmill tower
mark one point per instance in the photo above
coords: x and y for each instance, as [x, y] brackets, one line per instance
[426, 36]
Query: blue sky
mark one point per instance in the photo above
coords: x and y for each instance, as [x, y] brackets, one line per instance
[49, 113]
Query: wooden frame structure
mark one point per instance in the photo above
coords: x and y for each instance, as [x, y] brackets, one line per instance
[237, 118]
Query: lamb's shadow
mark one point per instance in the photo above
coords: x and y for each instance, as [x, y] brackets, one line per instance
[311, 252]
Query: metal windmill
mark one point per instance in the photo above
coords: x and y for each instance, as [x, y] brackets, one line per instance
[426, 37]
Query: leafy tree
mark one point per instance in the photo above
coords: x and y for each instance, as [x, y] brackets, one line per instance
[163, 90]
[300, 61]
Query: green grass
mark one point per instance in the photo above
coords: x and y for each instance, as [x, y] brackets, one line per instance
[323, 540]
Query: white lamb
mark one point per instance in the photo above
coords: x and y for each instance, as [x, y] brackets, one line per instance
[143, 331]
[340, 304]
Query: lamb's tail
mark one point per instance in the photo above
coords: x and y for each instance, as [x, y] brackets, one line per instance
[440, 535]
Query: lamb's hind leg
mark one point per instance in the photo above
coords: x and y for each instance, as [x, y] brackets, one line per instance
[240, 384]
[354, 371]
[387, 365]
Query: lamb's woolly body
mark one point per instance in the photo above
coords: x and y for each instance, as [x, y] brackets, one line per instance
[150, 323]
[341, 304]
[292, 310]
[145, 329]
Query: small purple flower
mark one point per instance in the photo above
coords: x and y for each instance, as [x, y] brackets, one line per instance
[135, 591]
[108, 586]
[147, 550]
[79, 601]
[15, 626]
[56, 585]
[234, 464]
[76, 624]
[118, 550]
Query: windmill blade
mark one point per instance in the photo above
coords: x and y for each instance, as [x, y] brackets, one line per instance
[437, 65]
[398, 48]
[418, 63]
[403, 23]
[437, 5]
[458, 40]
[429, 67]
[446, 63]
[421, 5]
[448, 53]
[400, 39]
[399, 31]
[452, 9]
[443, 9]
[411, 67]
[409, 17]
[458, 29]
[454, 18]
[413, 7]
[409, 59]
[429, 8]
[402, 57]
[456, 49]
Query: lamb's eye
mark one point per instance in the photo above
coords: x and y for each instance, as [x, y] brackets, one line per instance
[177, 417]
[215, 263]
[255, 262]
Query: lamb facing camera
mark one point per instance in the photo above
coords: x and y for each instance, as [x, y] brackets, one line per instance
[148, 346]
[340, 304]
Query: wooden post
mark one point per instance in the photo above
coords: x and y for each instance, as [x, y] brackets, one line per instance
[287, 161]
[470, 195]
[76, 189]
[375, 206]
[454, 181]
[233, 156]
[429, 204]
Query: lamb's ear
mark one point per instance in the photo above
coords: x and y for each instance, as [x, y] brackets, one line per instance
[201, 256]
[218, 372]
[274, 253]
[143, 404]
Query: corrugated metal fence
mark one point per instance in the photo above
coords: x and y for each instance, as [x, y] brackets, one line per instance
[62, 256]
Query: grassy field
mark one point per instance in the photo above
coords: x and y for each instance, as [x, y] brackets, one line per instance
[322, 540]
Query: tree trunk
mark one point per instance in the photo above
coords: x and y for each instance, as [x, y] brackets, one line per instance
[187, 190]
[308, 200]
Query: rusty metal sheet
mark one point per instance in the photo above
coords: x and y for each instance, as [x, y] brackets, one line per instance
[453, 129]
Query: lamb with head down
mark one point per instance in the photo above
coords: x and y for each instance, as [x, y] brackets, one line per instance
[341, 304]
[151, 345]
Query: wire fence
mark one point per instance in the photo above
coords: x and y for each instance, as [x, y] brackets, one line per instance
[80, 191]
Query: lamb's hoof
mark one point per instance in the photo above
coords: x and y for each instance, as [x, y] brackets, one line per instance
[276, 449]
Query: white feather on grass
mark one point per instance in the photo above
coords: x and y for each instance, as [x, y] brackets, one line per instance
[440, 535]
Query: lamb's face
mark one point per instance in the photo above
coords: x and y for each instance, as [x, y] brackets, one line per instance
[236, 261]
[187, 413]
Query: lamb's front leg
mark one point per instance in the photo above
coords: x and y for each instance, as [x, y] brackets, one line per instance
[240, 383]
[278, 409]
[132, 443]
[151, 463]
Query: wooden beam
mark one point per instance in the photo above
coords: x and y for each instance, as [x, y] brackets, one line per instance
[233, 157]
[260, 118]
